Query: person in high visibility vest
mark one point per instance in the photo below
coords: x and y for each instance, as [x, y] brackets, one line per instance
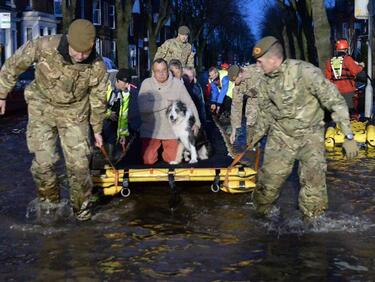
[115, 125]
[344, 71]
[221, 101]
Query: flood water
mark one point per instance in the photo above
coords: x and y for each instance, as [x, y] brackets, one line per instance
[209, 237]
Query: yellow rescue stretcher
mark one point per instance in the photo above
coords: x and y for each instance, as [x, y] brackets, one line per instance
[220, 172]
[240, 179]
[364, 133]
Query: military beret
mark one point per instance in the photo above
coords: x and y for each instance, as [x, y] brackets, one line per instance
[263, 46]
[183, 30]
[81, 35]
[123, 75]
[233, 72]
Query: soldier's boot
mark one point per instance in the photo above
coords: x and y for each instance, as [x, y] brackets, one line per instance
[80, 191]
[85, 211]
[312, 216]
[46, 182]
[82, 206]
[263, 210]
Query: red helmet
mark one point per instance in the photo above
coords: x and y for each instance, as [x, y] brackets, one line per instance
[342, 44]
[224, 66]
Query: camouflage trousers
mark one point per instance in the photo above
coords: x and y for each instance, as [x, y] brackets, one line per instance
[280, 154]
[47, 124]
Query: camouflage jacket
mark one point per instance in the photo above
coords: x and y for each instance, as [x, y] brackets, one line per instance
[176, 49]
[291, 101]
[247, 89]
[80, 87]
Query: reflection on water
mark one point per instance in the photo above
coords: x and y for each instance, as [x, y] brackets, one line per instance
[210, 236]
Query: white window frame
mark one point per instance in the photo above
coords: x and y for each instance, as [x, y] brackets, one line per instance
[113, 50]
[97, 11]
[29, 31]
[112, 15]
[99, 46]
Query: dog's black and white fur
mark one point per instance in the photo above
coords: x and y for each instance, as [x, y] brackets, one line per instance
[182, 120]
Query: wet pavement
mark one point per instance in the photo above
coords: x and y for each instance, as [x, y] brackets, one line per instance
[209, 237]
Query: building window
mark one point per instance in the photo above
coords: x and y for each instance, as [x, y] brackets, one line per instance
[82, 9]
[112, 17]
[41, 30]
[99, 46]
[97, 12]
[113, 50]
[132, 56]
[57, 8]
[29, 33]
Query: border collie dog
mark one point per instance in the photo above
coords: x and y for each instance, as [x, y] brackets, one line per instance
[182, 120]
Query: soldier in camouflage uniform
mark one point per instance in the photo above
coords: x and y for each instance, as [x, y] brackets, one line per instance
[177, 48]
[290, 111]
[245, 90]
[67, 95]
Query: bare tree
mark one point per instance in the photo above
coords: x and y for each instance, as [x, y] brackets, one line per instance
[68, 12]
[155, 22]
[322, 32]
[123, 20]
[210, 32]
[307, 30]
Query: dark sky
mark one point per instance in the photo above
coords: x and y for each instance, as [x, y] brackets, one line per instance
[254, 12]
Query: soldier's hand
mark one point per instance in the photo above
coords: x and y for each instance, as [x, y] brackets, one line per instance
[98, 140]
[3, 104]
[232, 136]
[213, 108]
[351, 148]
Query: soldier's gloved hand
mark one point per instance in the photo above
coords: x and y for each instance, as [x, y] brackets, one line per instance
[350, 148]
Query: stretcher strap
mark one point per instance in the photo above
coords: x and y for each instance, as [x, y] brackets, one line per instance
[115, 171]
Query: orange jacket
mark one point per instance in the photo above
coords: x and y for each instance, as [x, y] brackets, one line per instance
[346, 82]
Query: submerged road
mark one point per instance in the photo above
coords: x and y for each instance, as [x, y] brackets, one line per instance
[211, 236]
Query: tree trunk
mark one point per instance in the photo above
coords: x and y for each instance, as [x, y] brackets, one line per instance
[152, 46]
[123, 20]
[321, 32]
[154, 28]
[297, 47]
[200, 51]
[69, 13]
[288, 53]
